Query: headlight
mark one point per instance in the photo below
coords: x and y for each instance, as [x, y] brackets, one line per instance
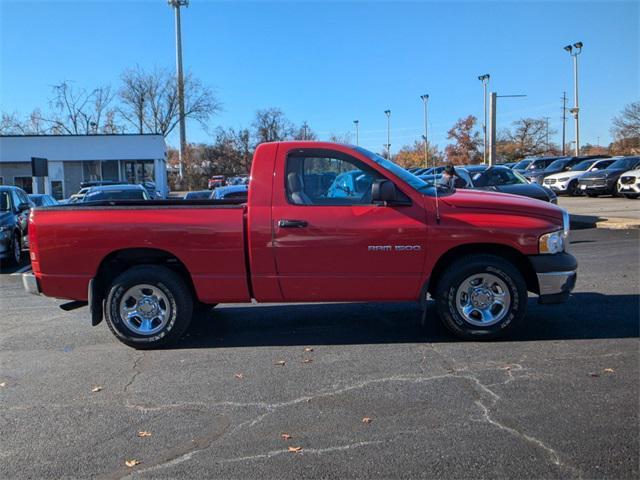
[563, 179]
[556, 242]
[551, 242]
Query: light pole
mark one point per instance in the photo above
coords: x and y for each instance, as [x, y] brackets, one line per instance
[485, 82]
[357, 124]
[425, 100]
[575, 50]
[176, 4]
[388, 114]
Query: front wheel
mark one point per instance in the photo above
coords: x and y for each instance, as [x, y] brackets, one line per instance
[631, 195]
[148, 306]
[15, 258]
[481, 297]
[573, 189]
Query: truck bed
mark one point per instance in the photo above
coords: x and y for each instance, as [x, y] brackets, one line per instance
[205, 237]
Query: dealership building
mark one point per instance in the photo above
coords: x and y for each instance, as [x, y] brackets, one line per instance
[72, 159]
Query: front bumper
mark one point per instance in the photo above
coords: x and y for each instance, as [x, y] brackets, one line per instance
[633, 188]
[30, 283]
[556, 276]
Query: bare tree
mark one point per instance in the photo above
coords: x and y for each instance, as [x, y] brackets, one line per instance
[627, 124]
[271, 125]
[304, 132]
[340, 137]
[33, 124]
[529, 137]
[150, 100]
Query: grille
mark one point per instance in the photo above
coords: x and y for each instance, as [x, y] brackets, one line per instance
[594, 182]
[627, 180]
[549, 181]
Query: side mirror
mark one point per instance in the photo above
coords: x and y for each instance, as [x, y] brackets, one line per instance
[23, 206]
[385, 193]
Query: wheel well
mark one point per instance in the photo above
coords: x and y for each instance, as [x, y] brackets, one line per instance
[117, 262]
[520, 261]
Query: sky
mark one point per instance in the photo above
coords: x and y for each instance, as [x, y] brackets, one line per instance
[331, 62]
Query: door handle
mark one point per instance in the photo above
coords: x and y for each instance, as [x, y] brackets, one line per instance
[292, 223]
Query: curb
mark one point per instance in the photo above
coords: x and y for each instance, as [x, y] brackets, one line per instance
[586, 221]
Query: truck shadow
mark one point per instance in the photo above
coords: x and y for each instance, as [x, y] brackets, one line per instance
[584, 316]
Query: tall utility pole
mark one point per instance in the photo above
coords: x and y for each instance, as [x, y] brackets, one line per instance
[485, 82]
[425, 100]
[357, 124]
[564, 122]
[305, 131]
[388, 145]
[575, 50]
[176, 4]
[493, 99]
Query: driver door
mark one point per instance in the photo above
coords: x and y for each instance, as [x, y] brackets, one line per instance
[331, 242]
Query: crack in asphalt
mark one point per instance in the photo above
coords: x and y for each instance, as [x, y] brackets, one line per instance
[136, 371]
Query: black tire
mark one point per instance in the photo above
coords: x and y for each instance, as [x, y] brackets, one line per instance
[468, 267]
[631, 195]
[573, 189]
[592, 195]
[177, 301]
[15, 257]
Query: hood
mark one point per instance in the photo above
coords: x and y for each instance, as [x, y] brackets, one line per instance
[533, 190]
[607, 172]
[503, 202]
[567, 174]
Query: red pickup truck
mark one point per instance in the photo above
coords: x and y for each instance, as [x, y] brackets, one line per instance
[323, 222]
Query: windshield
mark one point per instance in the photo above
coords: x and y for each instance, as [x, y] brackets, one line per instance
[522, 164]
[494, 177]
[557, 165]
[4, 202]
[413, 181]
[583, 166]
[624, 164]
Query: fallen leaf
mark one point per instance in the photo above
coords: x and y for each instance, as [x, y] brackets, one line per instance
[366, 420]
[142, 433]
[594, 374]
[307, 360]
[279, 362]
[508, 367]
[286, 436]
[308, 349]
[3, 384]
[239, 375]
[96, 389]
[295, 449]
[132, 463]
[609, 370]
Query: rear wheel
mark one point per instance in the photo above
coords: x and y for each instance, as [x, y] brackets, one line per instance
[592, 195]
[631, 195]
[481, 297]
[148, 306]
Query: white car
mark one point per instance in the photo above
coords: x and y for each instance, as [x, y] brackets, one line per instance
[567, 182]
[629, 184]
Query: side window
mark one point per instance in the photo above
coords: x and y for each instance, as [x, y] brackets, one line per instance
[328, 180]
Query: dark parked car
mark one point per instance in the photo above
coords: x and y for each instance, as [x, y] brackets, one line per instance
[42, 200]
[231, 191]
[14, 221]
[505, 180]
[116, 192]
[604, 182]
[522, 165]
[538, 164]
[99, 183]
[563, 164]
[197, 195]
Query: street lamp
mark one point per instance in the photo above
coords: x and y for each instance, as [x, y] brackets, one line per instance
[176, 4]
[485, 81]
[357, 124]
[575, 50]
[388, 114]
[425, 100]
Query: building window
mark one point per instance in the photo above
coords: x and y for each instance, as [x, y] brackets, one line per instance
[56, 189]
[24, 183]
[91, 171]
[138, 171]
[110, 170]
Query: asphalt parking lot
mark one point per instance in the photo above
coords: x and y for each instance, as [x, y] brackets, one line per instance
[557, 400]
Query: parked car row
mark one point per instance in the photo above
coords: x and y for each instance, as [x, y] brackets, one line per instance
[593, 175]
[220, 193]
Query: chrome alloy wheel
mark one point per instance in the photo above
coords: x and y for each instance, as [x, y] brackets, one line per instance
[483, 299]
[145, 309]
